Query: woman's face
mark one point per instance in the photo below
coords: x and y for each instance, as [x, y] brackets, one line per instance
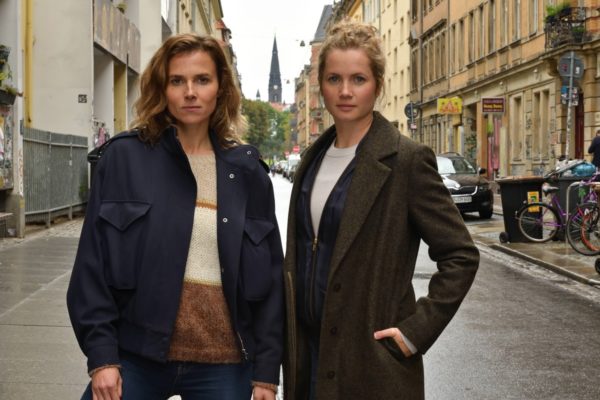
[348, 85]
[192, 88]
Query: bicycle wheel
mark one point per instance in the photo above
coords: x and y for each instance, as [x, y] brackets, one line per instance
[582, 229]
[538, 222]
[590, 230]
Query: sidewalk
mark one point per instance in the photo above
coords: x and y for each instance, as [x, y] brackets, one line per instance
[39, 357]
[557, 256]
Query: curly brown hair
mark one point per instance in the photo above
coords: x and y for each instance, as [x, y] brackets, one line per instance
[152, 116]
[347, 34]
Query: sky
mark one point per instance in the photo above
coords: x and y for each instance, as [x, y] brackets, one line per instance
[254, 24]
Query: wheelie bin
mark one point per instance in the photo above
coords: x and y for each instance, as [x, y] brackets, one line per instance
[514, 191]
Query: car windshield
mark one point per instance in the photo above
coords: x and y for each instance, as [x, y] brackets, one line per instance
[454, 166]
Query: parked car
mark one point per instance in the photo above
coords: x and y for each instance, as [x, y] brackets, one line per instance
[291, 172]
[469, 189]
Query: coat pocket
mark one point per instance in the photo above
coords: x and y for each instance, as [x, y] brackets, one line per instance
[123, 234]
[255, 270]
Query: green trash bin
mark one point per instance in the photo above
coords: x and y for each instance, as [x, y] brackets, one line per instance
[514, 191]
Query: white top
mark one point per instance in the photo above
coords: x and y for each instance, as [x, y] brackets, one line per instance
[333, 165]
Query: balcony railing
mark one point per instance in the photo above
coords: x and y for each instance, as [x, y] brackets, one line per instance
[567, 27]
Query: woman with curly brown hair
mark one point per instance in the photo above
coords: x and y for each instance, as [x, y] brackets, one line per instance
[177, 286]
[364, 197]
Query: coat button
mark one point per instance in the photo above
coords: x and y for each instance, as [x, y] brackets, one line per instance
[231, 176]
[333, 330]
[331, 375]
[225, 220]
[248, 152]
[222, 270]
[337, 287]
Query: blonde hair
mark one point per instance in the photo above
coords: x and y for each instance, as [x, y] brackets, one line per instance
[346, 35]
[152, 116]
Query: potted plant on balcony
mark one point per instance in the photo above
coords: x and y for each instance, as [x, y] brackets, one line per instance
[564, 10]
[551, 13]
[578, 33]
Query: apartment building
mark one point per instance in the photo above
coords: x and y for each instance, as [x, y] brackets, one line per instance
[76, 65]
[395, 32]
[310, 116]
[499, 62]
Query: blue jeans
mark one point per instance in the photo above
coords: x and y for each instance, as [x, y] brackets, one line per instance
[144, 379]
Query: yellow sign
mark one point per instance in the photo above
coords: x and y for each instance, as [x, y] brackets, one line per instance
[451, 105]
[533, 197]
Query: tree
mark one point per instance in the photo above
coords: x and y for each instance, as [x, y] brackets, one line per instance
[268, 129]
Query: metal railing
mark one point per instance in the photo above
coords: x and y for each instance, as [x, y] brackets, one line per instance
[568, 27]
[55, 174]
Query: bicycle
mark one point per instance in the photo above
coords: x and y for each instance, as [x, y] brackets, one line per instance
[584, 229]
[541, 222]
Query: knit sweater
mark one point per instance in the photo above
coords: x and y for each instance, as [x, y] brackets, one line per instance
[203, 331]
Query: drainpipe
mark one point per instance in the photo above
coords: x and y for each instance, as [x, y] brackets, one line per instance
[28, 61]
[420, 11]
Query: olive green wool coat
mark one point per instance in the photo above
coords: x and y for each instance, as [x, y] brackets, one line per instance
[395, 199]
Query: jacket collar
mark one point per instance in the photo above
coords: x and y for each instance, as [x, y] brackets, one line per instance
[241, 156]
[370, 176]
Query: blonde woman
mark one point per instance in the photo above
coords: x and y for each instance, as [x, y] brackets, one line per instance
[364, 197]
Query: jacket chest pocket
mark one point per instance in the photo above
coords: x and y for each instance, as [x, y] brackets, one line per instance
[123, 233]
[255, 271]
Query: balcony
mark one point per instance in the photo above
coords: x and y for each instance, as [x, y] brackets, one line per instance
[566, 27]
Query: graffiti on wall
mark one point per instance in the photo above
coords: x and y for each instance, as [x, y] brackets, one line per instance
[101, 134]
[6, 147]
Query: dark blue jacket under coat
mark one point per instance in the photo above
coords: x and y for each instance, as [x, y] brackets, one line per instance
[129, 269]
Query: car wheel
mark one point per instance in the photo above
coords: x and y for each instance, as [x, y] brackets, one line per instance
[486, 214]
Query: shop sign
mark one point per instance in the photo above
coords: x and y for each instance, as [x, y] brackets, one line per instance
[492, 105]
[447, 106]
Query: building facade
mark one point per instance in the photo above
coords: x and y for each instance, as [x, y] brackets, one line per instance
[310, 115]
[491, 87]
[76, 65]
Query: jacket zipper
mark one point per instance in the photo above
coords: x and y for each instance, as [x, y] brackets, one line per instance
[313, 278]
[244, 352]
[292, 331]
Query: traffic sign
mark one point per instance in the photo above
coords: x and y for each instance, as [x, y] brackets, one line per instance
[564, 66]
[411, 110]
[564, 95]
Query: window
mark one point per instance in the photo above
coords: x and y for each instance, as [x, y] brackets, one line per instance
[481, 36]
[402, 37]
[471, 37]
[414, 10]
[443, 59]
[533, 16]
[504, 30]
[451, 52]
[461, 43]
[516, 31]
[396, 11]
[431, 60]
[492, 26]
[414, 61]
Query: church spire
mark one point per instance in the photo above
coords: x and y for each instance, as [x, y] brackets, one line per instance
[275, 76]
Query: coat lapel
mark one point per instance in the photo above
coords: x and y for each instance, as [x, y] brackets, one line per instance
[369, 177]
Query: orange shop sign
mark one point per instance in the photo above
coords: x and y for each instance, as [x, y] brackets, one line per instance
[451, 105]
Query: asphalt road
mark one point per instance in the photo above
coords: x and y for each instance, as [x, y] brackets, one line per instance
[522, 332]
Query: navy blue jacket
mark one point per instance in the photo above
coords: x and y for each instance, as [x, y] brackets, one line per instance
[128, 274]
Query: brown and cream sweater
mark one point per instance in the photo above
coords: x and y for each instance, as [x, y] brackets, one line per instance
[203, 331]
